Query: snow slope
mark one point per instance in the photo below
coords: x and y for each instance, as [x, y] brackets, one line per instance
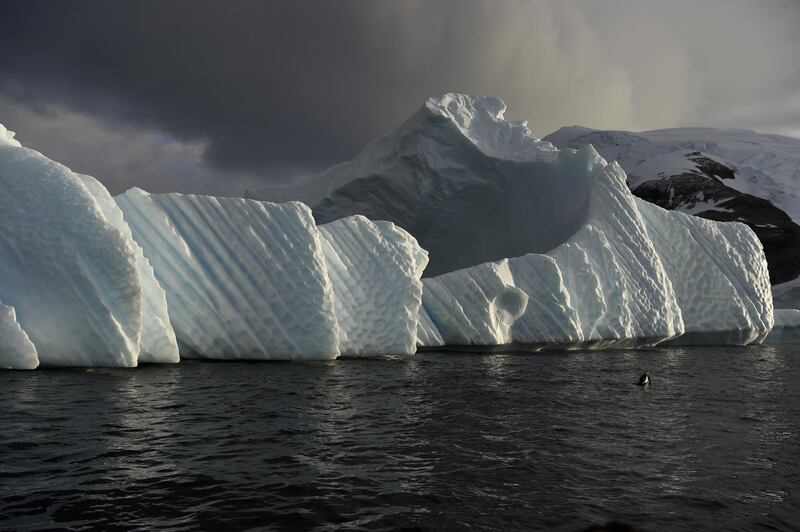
[69, 274]
[243, 279]
[375, 270]
[765, 166]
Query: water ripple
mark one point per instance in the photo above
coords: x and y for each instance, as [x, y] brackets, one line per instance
[437, 441]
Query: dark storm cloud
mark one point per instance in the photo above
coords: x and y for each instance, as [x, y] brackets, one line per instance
[272, 89]
[247, 76]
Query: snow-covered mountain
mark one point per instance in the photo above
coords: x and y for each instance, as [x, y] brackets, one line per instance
[718, 174]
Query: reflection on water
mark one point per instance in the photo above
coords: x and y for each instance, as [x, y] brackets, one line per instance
[446, 440]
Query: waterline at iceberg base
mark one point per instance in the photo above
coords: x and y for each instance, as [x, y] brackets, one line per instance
[457, 229]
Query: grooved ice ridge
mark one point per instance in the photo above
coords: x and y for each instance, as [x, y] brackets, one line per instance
[158, 342]
[243, 279]
[375, 269]
[69, 274]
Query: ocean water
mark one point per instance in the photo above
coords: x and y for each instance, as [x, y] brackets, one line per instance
[557, 441]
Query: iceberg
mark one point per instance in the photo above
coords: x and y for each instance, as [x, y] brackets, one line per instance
[16, 349]
[787, 295]
[69, 274]
[255, 280]
[243, 279]
[786, 329]
[375, 270]
[502, 212]
[522, 246]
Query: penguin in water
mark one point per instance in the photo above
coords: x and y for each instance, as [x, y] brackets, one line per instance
[644, 380]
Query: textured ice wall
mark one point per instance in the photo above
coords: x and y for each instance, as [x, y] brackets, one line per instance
[16, 349]
[635, 275]
[428, 334]
[69, 274]
[158, 342]
[243, 279]
[474, 306]
[719, 273]
[375, 269]
[786, 329]
[615, 279]
[604, 286]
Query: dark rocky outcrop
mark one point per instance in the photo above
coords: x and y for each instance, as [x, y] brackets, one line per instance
[704, 194]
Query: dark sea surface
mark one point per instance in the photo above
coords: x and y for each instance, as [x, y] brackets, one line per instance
[557, 441]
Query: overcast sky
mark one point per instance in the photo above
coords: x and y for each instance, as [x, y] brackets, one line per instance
[213, 97]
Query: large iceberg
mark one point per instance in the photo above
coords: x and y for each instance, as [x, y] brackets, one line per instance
[524, 246]
[598, 266]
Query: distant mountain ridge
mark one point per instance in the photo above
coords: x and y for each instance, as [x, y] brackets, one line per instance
[718, 174]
